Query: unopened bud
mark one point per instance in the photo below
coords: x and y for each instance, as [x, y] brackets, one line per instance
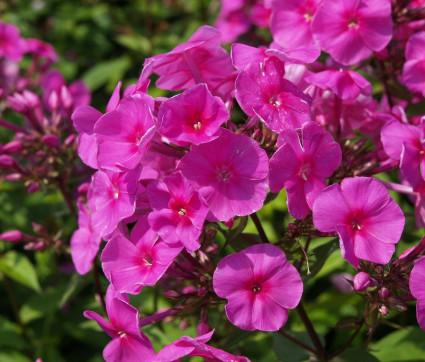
[184, 324]
[66, 97]
[13, 236]
[384, 292]
[83, 188]
[14, 177]
[34, 187]
[51, 140]
[189, 289]
[202, 291]
[361, 281]
[7, 161]
[53, 101]
[70, 140]
[12, 147]
[397, 304]
[203, 328]
[31, 98]
[172, 294]
[383, 310]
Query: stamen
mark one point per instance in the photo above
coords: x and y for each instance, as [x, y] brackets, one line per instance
[197, 125]
[182, 212]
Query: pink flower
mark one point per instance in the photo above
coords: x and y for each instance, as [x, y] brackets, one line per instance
[12, 46]
[366, 218]
[123, 135]
[260, 286]
[346, 84]
[261, 90]
[188, 346]
[84, 242]
[200, 60]
[416, 283]
[85, 117]
[112, 198]
[414, 68]
[142, 260]
[291, 22]
[193, 116]
[351, 30]
[179, 211]
[128, 343]
[230, 173]
[302, 164]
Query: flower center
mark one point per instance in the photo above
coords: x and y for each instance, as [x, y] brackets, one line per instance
[256, 288]
[148, 260]
[223, 174]
[121, 334]
[305, 171]
[197, 125]
[356, 225]
[182, 211]
[275, 101]
[353, 22]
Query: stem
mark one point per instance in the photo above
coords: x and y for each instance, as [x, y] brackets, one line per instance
[321, 352]
[300, 264]
[67, 198]
[301, 344]
[372, 332]
[98, 286]
[259, 227]
[347, 344]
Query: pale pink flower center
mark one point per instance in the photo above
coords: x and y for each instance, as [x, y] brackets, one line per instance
[223, 174]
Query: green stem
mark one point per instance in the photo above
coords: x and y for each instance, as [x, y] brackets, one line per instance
[259, 227]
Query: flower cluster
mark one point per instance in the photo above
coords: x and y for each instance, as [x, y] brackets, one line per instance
[172, 173]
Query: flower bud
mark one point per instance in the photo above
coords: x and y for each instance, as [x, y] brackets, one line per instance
[383, 310]
[14, 177]
[12, 147]
[66, 97]
[53, 101]
[397, 304]
[13, 236]
[361, 281]
[384, 292]
[7, 161]
[184, 324]
[70, 140]
[34, 187]
[51, 140]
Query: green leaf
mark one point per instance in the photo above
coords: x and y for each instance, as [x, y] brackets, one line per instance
[18, 267]
[109, 72]
[288, 351]
[355, 354]
[10, 335]
[13, 356]
[41, 305]
[320, 255]
[402, 345]
[74, 284]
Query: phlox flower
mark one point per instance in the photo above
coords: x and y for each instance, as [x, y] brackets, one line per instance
[414, 68]
[291, 22]
[346, 84]
[260, 286]
[123, 135]
[302, 164]
[193, 116]
[367, 220]
[129, 264]
[351, 30]
[179, 211]
[406, 143]
[416, 284]
[84, 242]
[188, 346]
[128, 343]
[112, 198]
[261, 90]
[200, 60]
[230, 173]
[12, 46]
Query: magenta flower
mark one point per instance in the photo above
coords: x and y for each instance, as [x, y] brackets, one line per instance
[193, 116]
[346, 84]
[230, 173]
[351, 30]
[200, 60]
[179, 211]
[367, 220]
[188, 346]
[84, 242]
[414, 68]
[113, 196]
[302, 164]
[291, 22]
[261, 90]
[416, 284]
[142, 260]
[123, 135]
[405, 142]
[128, 343]
[260, 286]
[12, 46]
[85, 117]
